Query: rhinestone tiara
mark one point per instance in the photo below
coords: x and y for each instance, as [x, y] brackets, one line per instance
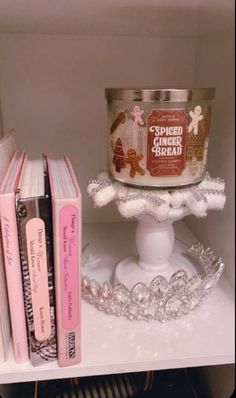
[162, 300]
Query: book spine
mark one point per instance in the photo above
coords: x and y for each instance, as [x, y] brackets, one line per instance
[36, 251]
[14, 277]
[67, 270]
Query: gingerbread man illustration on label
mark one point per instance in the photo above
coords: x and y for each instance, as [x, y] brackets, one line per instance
[133, 159]
[137, 113]
[196, 117]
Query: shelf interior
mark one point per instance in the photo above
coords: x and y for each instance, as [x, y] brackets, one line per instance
[47, 71]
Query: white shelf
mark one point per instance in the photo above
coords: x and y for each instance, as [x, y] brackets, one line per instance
[115, 345]
[117, 17]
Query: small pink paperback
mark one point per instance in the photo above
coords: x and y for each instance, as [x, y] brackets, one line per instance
[67, 257]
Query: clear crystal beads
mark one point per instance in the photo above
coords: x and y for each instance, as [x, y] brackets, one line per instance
[162, 300]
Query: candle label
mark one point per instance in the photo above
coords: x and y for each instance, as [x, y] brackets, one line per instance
[166, 142]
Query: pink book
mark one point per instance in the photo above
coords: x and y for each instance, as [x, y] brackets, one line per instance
[12, 258]
[5, 331]
[7, 150]
[66, 210]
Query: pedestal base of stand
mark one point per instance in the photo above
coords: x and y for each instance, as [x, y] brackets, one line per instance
[163, 299]
[150, 286]
[128, 272]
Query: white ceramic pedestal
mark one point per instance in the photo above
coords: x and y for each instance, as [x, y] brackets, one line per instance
[155, 243]
[156, 211]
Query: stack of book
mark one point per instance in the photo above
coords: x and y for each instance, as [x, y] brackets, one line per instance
[40, 213]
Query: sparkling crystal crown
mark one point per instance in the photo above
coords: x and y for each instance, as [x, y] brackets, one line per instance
[162, 300]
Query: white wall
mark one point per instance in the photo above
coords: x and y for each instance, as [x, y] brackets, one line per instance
[52, 90]
[215, 67]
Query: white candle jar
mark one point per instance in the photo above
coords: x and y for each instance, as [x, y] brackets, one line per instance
[158, 137]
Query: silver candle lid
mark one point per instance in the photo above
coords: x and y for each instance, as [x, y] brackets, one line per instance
[161, 95]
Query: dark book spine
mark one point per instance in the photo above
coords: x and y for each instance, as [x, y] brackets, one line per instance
[34, 217]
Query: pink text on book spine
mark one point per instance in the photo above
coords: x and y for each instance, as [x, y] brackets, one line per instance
[69, 266]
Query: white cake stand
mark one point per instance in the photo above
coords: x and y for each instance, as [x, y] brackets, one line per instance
[156, 211]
